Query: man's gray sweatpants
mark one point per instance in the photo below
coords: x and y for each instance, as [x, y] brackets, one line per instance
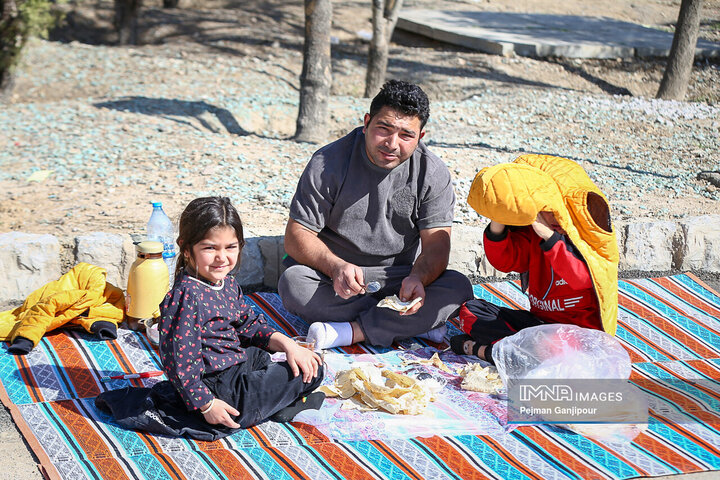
[309, 294]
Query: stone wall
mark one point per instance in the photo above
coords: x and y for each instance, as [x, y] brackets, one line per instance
[28, 261]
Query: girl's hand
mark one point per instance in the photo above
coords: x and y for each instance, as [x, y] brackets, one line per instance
[541, 227]
[496, 227]
[220, 413]
[301, 359]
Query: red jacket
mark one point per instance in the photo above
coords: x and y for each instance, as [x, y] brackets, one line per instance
[560, 288]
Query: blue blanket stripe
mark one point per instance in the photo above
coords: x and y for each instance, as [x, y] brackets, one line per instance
[698, 331]
[152, 468]
[11, 379]
[707, 401]
[701, 388]
[437, 461]
[129, 441]
[691, 309]
[697, 289]
[483, 294]
[487, 455]
[74, 447]
[377, 459]
[266, 463]
[243, 439]
[683, 445]
[546, 456]
[638, 342]
[596, 455]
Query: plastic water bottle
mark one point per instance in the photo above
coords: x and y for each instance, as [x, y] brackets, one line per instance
[160, 229]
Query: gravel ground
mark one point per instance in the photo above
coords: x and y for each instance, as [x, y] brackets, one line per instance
[213, 112]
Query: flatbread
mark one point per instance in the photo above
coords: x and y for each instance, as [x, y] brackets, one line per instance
[367, 387]
[480, 379]
[434, 361]
[394, 303]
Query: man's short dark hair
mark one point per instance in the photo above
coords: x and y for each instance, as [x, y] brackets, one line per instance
[404, 97]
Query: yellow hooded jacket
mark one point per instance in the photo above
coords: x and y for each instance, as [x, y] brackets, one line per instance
[81, 297]
[514, 193]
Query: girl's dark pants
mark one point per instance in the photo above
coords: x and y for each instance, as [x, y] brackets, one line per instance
[259, 387]
[493, 322]
[490, 323]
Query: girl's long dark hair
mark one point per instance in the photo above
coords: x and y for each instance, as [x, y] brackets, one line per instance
[199, 217]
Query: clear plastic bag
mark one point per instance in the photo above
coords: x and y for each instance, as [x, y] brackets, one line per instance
[567, 352]
[558, 351]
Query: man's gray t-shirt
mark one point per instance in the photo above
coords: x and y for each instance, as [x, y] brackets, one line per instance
[368, 215]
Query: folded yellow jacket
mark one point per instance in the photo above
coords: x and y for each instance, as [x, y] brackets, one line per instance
[81, 297]
[514, 193]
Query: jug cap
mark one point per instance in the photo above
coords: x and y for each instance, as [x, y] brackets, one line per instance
[149, 247]
[156, 204]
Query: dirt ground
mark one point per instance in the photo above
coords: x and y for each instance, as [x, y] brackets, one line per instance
[207, 102]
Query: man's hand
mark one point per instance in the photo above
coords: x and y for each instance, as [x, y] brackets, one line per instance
[541, 227]
[220, 413]
[348, 280]
[412, 287]
[428, 266]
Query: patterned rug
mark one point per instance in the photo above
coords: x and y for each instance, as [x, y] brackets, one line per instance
[670, 326]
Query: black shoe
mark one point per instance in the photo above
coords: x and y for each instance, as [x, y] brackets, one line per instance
[457, 343]
[312, 401]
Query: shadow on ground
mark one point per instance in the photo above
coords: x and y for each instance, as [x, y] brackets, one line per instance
[173, 109]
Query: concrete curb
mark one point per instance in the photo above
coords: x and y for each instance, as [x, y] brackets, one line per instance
[29, 261]
[544, 35]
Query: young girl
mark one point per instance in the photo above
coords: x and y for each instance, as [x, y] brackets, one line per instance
[212, 344]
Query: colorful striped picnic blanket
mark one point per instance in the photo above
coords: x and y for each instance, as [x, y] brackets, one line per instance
[670, 326]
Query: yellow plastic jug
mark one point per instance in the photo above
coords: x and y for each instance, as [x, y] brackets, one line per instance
[148, 282]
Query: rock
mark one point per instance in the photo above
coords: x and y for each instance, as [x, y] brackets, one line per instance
[27, 261]
[113, 252]
[711, 177]
[649, 246]
[701, 249]
[466, 248]
[251, 270]
[273, 251]
[484, 269]
[620, 233]
[467, 254]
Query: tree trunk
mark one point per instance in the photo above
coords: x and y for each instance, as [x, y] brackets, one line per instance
[12, 39]
[316, 76]
[384, 18]
[682, 53]
[126, 15]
